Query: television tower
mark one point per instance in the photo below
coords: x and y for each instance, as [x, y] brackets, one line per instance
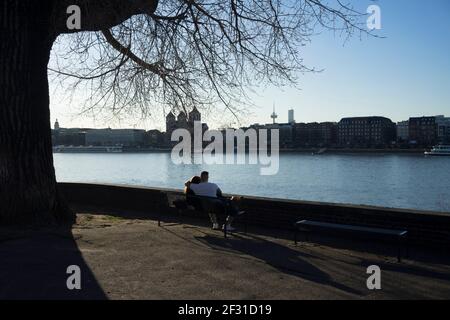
[274, 116]
[291, 116]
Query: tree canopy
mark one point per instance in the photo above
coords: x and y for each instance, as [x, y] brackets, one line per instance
[134, 54]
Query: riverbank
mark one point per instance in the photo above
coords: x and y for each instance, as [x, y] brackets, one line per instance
[425, 228]
[303, 150]
[354, 150]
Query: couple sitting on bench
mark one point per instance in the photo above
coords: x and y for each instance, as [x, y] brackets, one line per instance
[207, 197]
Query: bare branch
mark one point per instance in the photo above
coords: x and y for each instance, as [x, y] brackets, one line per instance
[181, 53]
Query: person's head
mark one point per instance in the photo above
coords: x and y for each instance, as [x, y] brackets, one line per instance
[204, 176]
[196, 180]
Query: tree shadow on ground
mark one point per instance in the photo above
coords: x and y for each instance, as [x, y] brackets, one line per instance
[34, 265]
[363, 245]
[278, 256]
[420, 271]
[384, 248]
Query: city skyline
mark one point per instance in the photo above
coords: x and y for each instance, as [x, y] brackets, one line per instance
[268, 121]
[370, 132]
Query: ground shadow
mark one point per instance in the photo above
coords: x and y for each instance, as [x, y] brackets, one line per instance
[363, 245]
[419, 253]
[278, 256]
[34, 265]
[421, 271]
[384, 248]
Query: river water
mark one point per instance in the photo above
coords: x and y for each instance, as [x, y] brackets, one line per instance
[388, 180]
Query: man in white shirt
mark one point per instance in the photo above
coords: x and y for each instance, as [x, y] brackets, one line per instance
[211, 190]
[206, 189]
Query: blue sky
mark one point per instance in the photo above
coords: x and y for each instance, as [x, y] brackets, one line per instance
[405, 74]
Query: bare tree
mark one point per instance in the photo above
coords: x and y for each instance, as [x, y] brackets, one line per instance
[132, 54]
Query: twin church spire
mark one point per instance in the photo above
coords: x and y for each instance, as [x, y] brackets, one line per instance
[183, 120]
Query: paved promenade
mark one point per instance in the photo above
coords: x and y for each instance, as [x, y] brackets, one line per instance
[133, 258]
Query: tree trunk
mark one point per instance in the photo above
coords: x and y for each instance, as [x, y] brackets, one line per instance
[28, 188]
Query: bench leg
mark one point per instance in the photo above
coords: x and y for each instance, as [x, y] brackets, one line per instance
[406, 246]
[296, 231]
[403, 245]
[225, 226]
[245, 225]
[180, 216]
[400, 247]
[159, 219]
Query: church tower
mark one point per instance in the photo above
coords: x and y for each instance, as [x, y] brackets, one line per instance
[56, 125]
[171, 123]
[182, 120]
[194, 115]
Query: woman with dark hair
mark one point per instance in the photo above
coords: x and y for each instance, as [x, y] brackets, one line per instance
[190, 194]
[187, 185]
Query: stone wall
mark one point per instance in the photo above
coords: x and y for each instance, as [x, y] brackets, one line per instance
[429, 228]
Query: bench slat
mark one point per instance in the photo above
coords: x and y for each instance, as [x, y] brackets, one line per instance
[345, 227]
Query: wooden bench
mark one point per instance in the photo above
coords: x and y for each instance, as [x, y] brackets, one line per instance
[179, 202]
[308, 226]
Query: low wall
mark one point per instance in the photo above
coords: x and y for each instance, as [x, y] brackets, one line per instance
[429, 228]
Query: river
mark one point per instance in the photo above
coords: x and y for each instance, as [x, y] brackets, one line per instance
[388, 180]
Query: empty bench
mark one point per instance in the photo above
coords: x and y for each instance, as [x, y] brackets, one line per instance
[400, 236]
[179, 202]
